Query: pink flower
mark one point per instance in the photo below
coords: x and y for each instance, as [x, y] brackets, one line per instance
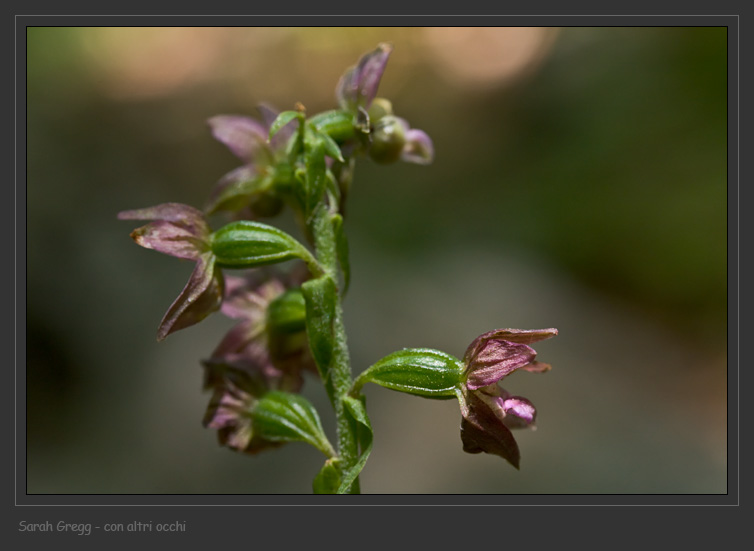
[247, 139]
[237, 386]
[270, 332]
[489, 411]
[181, 231]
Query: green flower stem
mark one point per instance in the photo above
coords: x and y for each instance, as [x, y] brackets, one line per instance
[341, 380]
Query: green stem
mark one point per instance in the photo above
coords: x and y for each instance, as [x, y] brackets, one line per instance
[340, 377]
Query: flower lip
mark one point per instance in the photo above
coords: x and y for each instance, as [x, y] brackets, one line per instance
[483, 430]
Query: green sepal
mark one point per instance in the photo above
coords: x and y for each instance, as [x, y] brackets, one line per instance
[246, 244]
[418, 371]
[284, 417]
[321, 296]
[356, 408]
[341, 248]
[327, 480]
[287, 312]
[283, 119]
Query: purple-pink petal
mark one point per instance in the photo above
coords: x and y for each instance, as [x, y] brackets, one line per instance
[419, 148]
[243, 135]
[280, 139]
[483, 430]
[170, 238]
[521, 336]
[178, 213]
[248, 298]
[237, 384]
[537, 367]
[358, 86]
[495, 360]
[244, 173]
[268, 114]
[200, 297]
[235, 340]
[226, 413]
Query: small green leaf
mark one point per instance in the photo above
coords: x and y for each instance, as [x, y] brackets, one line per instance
[417, 371]
[246, 244]
[328, 479]
[357, 409]
[331, 148]
[285, 417]
[321, 296]
[341, 247]
[283, 119]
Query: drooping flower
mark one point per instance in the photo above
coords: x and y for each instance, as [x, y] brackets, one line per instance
[489, 411]
[251, 413]
[181, 231]
[247, 139]
[237, 386]
[271, 332]
[390, 138]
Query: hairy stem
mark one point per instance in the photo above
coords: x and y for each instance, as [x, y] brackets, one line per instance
[340, 377]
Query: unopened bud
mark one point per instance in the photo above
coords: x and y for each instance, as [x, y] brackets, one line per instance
[380, 107]
[388, 140]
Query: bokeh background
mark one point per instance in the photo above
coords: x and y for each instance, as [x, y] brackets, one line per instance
[579, 183]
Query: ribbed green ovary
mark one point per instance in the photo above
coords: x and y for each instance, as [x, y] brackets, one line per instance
[418, 371]
[246, 244]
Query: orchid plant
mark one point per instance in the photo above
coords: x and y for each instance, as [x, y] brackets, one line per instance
[290, 317]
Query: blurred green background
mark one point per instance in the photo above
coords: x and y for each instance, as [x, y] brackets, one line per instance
[579, 183]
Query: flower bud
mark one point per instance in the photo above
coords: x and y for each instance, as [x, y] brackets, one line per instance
[380, 108]
[388, 140]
